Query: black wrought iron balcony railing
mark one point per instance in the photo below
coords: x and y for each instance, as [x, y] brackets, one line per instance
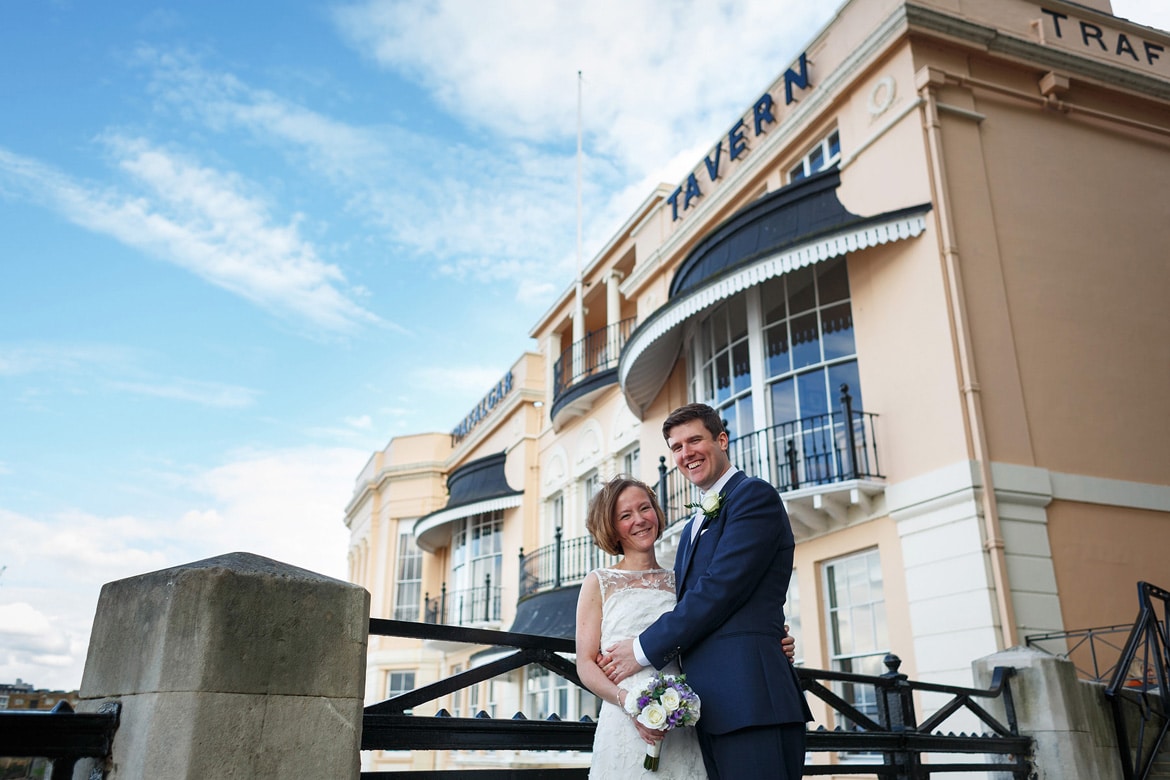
[469, 606]
[598, 351]
[818, 450]
[824, 449]
[564, 562]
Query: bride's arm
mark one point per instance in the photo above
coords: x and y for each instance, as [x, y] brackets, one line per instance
[589, 643]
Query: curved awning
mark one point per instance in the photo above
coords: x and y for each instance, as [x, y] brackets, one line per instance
[475, 488]
[549, 613]
[794, 227]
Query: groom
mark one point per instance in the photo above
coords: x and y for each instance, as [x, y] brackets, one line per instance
[732, 569]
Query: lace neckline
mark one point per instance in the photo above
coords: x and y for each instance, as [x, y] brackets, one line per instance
[634, 571]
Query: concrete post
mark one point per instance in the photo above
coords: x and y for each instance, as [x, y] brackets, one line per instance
[233, 667]
[1069, 718]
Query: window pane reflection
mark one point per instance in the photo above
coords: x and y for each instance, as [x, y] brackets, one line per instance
[806, 341]
[813, 398]
[722, 379]
[837, 330]
[833, 281]
[801, 292]
[783, 402]
[741, 366]
[776, 339]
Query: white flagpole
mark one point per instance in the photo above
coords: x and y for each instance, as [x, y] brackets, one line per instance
[579, 304]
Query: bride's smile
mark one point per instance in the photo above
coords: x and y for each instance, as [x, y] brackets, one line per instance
[636, 521]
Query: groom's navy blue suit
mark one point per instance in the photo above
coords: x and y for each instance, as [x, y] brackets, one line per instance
[726, 628]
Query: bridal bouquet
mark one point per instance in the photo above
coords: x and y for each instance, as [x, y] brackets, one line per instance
[666, 702]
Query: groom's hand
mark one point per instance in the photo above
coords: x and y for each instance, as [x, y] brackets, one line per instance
[788, 645]
[618, 661]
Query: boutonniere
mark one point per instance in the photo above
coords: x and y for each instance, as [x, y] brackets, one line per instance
[709, 505]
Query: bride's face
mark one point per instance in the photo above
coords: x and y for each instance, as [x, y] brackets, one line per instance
[635, 520]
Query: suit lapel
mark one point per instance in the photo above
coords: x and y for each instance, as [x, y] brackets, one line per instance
[689, 553]
[682, 559]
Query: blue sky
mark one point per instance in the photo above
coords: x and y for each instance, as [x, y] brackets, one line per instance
[245, 244]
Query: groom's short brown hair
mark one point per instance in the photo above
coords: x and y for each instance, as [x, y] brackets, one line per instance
[600, 521]
[684, 414]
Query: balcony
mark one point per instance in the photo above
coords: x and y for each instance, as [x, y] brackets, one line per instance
[825, 467]
[564, 562]
[467, 607]
[587, 367]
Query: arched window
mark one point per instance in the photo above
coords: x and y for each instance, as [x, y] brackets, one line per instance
[773, 359]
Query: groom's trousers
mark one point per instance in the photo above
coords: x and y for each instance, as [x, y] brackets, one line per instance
[764, 752]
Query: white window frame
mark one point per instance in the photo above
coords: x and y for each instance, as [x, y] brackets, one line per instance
[407, 589]
[823, 154]
[543, 690]
[846, 658]
[632, 461]
[393, 690]
[466, 574]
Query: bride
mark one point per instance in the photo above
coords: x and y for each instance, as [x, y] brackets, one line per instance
[618, 603]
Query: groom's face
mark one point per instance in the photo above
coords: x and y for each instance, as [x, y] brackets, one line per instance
[698, 454]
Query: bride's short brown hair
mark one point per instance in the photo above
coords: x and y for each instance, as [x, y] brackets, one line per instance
[600, 521]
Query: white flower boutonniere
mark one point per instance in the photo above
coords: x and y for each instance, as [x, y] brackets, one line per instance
[709, 505]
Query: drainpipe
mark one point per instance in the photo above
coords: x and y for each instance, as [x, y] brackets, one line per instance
[928, 81]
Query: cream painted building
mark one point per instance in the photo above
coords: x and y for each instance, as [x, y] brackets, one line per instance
[958, 210]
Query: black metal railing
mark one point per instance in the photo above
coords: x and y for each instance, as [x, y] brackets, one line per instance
[464, 607]
[1139, 691]
[598, 351]
[564, 562]
[818, 450]
[60, 735]
[1093, 652]
[889, 733]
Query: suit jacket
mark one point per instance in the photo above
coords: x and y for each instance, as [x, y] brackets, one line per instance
[726, 628]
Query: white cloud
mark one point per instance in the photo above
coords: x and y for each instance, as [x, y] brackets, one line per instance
[453, 381]
[493, 211]
[658, 74]
[1151, 13]
[200, 219]
[363, 423]
[203, 393]
[281, 504]
[31, 358]
[661, 81]
[339, 150]
[117, 368]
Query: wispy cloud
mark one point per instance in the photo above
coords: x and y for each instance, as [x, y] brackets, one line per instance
[658, 73]
[281, 504]
[453, 380]
[119, 369]
[202, 393]
[489, 211]
[32, 358]
[210, 223]
[661, 83]
[223, 102]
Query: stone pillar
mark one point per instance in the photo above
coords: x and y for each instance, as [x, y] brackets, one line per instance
[1069, 718]
[613, 299]
[233, 667]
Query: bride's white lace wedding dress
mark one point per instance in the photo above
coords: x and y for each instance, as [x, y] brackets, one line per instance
[631, 601]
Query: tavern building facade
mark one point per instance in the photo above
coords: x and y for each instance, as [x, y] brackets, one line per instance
[924, 279]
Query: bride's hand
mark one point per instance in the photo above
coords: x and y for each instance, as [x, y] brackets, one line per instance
[649, 736]
[618, 661]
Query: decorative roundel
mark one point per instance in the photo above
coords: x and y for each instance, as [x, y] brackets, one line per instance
[882, 95]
